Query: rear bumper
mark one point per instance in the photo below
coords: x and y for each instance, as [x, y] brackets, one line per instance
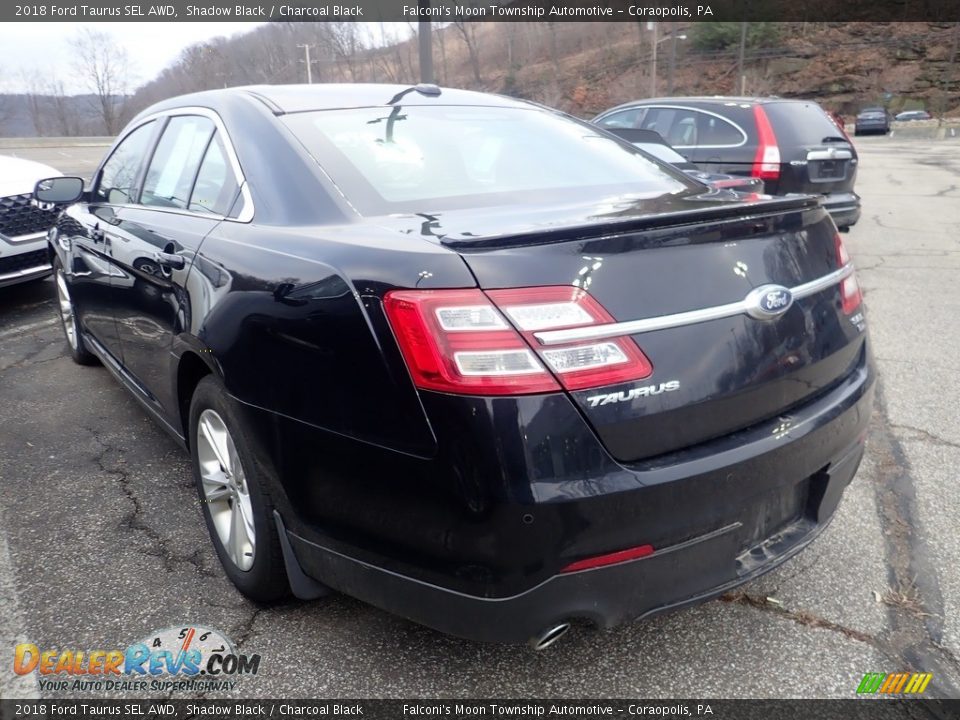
[878, 126]
[23, 259]
[812, 462]
[674, 577]
[844, 208]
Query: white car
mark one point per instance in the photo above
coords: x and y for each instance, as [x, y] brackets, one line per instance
[23, 226]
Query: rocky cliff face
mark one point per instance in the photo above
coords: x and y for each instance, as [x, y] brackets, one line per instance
[844, 66]
[903, 65]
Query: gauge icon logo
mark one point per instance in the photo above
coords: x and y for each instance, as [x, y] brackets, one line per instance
[188, 650]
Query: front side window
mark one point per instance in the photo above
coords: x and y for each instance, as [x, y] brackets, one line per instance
[175, 162]
[117, 184]
[623, 119]
[419, 159]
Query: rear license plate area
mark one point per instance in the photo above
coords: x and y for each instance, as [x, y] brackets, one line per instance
[828, 170]
[773, 512]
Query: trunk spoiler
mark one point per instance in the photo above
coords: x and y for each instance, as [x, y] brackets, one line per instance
[617, 225]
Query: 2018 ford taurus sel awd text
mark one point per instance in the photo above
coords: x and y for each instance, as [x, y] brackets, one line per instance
[465, 358]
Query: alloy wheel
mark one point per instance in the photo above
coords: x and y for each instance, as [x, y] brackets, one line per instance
[225, 489]
[66, 310]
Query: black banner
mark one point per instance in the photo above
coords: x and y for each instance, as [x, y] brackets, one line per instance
[858, 709]
[484, 11]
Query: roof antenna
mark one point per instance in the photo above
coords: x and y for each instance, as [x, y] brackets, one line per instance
[428, 89]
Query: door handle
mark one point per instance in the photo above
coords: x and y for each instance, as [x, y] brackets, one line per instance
[170, 260]
[96, 234]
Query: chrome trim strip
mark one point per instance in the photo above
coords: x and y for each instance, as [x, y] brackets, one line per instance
[831, 154]
[663, 322]
[32, 237]
[26, 272]
[822, 283]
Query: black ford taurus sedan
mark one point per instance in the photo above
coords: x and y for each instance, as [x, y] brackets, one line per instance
[465, 358]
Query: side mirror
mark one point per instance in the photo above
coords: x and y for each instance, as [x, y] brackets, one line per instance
[58, 190]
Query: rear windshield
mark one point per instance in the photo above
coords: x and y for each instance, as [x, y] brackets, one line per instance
[418, 159]
[801, 123]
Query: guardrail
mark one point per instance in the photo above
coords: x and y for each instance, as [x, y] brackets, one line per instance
[19, 143]
[924, 132]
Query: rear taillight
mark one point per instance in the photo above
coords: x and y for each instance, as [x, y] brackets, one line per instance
[457, 341]
[578, 365]
[465, 341]
[850, 292]
[766, 163]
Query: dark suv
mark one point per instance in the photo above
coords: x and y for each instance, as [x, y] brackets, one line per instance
[792, 145]
[872, 120]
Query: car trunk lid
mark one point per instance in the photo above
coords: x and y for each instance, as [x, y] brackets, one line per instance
[716, 371]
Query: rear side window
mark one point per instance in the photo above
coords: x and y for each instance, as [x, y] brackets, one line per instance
[797, 124]
[678, 126]
[119, 177]
[216, 186]
[715, 131]
[173, 168]
[424, 158]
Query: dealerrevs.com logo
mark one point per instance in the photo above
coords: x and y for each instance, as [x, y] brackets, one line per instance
[189, 658]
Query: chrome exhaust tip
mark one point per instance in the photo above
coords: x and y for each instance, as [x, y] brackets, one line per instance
[549, 636]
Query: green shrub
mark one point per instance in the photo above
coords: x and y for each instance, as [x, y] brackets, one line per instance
[714, 36]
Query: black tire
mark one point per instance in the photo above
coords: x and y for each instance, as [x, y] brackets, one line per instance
[77, 348]
[266, 580]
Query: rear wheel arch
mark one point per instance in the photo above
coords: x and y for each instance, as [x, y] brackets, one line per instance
[190, 371]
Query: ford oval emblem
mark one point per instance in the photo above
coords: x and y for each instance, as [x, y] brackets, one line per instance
[768, 302]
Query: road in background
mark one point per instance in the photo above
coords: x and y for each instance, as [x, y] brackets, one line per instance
[106, 542]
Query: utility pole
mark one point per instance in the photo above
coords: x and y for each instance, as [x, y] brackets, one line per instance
[653, 70]
[673, 59]
[306, 52]
[425, 37]
[743, 46]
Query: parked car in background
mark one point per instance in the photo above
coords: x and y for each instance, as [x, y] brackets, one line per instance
[909, 115]
[23, 225]
[792, 145]
[466, 358]
[651, 142]
[872, 121]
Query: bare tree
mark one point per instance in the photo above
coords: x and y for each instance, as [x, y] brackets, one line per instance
[346, 45]
[469, 32]
[35, 105]
[65, 120]
[5, 108]
[440, 34]
[103, 66]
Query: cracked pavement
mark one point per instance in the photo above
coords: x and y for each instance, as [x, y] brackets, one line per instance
[102, 541]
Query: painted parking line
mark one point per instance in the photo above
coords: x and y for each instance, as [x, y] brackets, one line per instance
[13, 630]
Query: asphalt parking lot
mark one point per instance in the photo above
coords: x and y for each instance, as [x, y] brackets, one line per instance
[102, 541]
